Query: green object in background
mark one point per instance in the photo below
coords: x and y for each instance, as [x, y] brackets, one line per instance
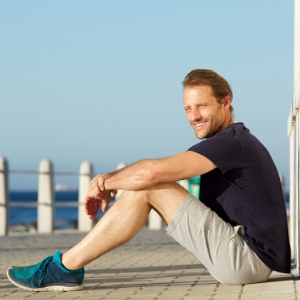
[194, 186]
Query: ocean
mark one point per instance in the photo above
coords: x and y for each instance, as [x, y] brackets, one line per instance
[64, 217]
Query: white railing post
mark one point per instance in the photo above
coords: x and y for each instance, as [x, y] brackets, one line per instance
[184, 183]
[45, 197]
[85, 176]
[154, 220]
[120, 192]
[4, 199]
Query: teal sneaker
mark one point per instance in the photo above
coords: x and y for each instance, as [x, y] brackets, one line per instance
[48, 275]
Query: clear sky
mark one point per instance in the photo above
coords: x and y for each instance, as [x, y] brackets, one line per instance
[101, 80]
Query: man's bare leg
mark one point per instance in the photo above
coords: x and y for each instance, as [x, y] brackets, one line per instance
[124, 220]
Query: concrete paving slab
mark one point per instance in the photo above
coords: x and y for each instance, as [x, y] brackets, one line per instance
[151, 266]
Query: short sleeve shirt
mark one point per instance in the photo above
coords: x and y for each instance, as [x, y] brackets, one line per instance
[245, 189]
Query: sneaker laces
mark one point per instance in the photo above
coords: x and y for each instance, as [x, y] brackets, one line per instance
[40, 273]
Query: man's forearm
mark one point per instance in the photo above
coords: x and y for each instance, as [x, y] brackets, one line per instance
[146, 173]
[134, 177]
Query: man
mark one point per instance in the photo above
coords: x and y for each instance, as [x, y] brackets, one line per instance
[238, 230]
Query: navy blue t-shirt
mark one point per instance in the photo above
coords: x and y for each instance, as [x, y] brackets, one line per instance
[245, 189]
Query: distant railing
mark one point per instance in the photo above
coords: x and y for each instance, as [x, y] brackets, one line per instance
[46, 201]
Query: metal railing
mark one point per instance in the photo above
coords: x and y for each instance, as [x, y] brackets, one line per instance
[46, 196]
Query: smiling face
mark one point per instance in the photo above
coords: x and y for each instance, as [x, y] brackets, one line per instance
[206, 115]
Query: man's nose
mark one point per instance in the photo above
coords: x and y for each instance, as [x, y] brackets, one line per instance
[196, 115]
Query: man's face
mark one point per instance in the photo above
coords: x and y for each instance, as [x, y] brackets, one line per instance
[204, 113]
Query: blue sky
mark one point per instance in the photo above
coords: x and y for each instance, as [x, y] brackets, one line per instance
[101, 80]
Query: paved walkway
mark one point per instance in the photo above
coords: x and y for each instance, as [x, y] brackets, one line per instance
[150, 267]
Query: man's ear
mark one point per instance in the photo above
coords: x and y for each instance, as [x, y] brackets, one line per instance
[226, 101]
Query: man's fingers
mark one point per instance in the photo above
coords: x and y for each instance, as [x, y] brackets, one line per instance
[104, 206]
[100, 182]
[113, 193]
[91, 217]
[91, 206]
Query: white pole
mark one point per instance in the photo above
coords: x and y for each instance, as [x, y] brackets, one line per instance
[45, 197]
[291, 134]
[296, 44]
[294, 143]
[296, 194]
[120, 166]
[293, 227]
[86, 175]
[4, 199]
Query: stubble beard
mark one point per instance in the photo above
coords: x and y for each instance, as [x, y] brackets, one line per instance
[213, 130]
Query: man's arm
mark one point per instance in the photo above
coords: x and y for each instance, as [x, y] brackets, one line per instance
[145, 173]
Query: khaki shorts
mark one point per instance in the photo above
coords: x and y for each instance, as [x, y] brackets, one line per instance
[219, 246]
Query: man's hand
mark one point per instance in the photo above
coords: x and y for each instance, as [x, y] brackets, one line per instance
[97, 196]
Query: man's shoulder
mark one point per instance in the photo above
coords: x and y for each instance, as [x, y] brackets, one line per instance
[235, 129]
[230, 139]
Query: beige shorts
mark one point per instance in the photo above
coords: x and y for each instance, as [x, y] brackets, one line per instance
[219, 246]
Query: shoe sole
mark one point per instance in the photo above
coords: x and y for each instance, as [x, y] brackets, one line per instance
[46, 288]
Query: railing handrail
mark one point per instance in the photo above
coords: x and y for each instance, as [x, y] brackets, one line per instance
[65, 174]
[36, 204]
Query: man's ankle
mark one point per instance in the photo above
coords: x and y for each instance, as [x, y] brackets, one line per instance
[65, 265]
